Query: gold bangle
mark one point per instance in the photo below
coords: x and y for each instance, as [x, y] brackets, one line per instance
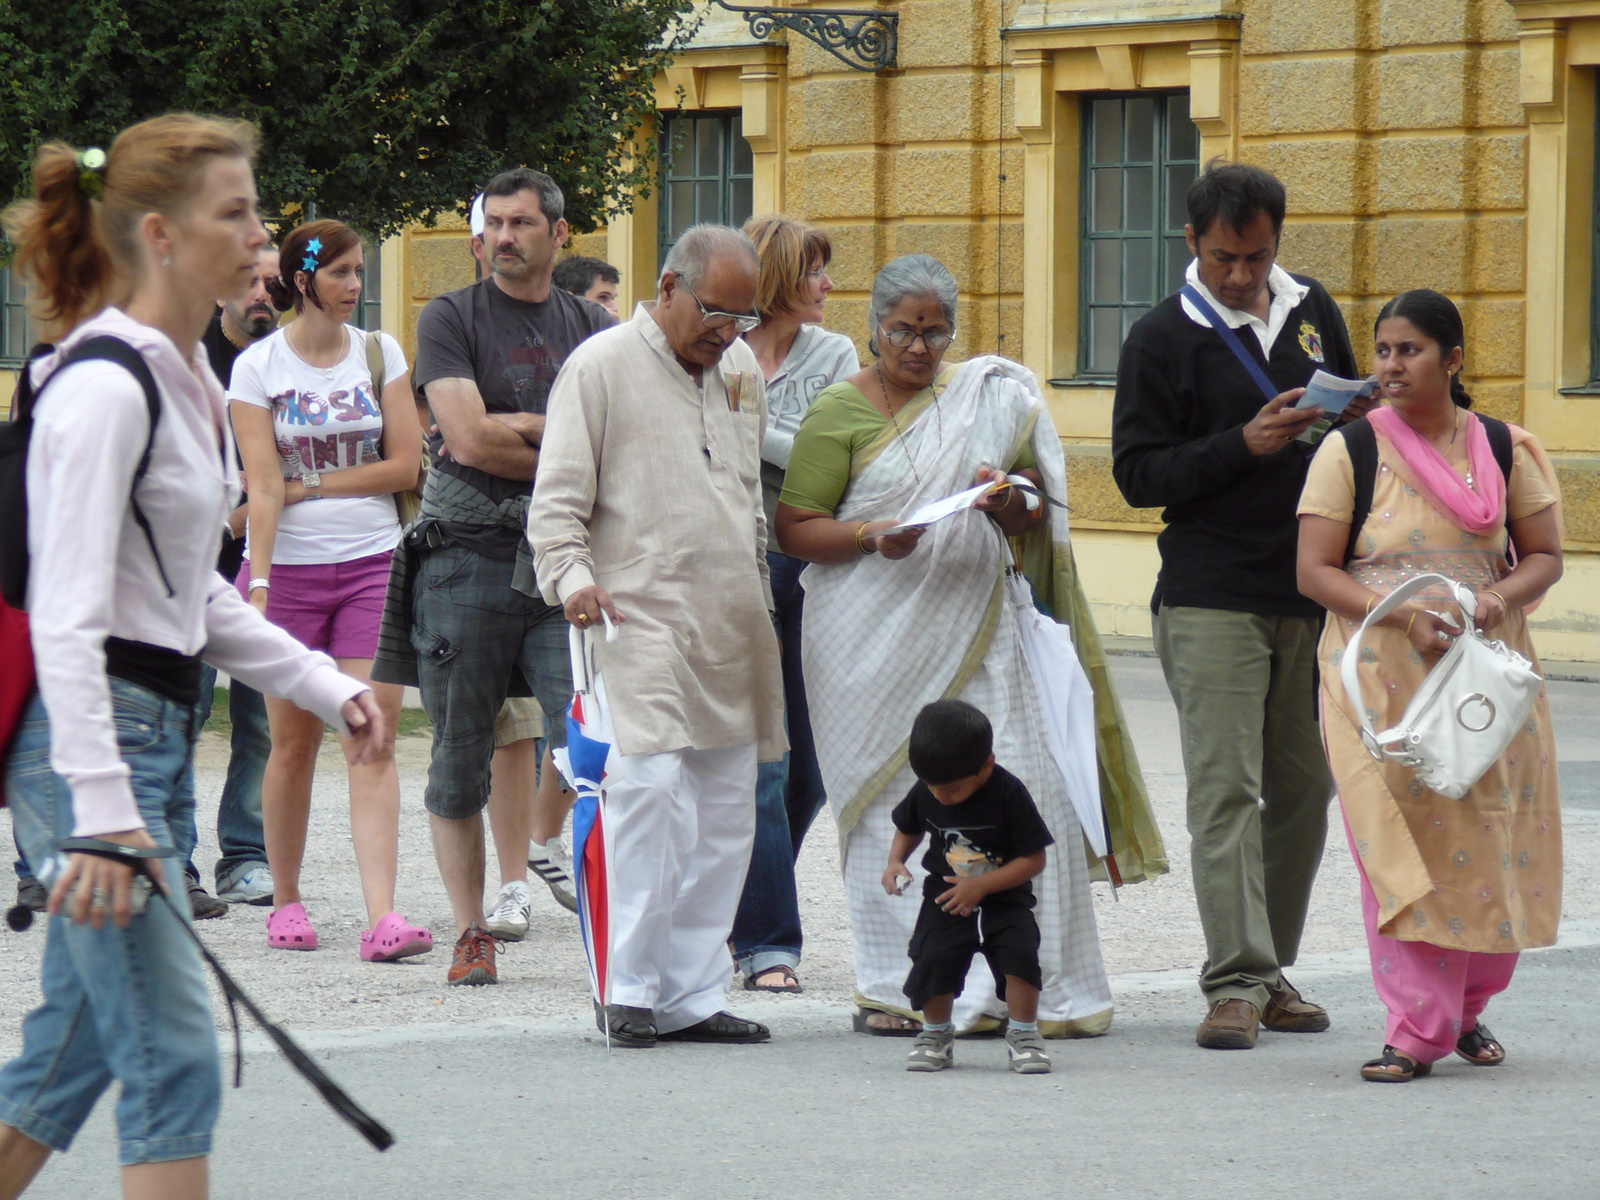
[861, 544]
[1498, 597]
[1367, 612]
[1410, 623]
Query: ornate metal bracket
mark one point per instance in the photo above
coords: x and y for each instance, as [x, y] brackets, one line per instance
[863, 39]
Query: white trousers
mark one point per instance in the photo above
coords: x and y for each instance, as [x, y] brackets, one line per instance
[682, 825]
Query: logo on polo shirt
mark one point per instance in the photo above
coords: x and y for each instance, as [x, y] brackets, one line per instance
[1311, 341]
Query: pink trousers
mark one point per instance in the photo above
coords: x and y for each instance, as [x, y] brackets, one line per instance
[1433, 994]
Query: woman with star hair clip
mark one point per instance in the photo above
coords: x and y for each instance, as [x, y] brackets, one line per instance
[329, 434]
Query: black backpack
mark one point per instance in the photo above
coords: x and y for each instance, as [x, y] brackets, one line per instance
[1362, 443]
[14, 459]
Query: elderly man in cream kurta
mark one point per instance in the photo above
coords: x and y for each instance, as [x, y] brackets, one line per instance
[647, 507]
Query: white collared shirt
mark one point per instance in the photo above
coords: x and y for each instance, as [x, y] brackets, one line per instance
[1286, 297]
[92, 576]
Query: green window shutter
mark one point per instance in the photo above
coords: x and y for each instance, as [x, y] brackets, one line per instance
[707, 174]
[1140, 154]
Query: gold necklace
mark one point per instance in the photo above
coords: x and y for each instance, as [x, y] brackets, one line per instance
[899, 434]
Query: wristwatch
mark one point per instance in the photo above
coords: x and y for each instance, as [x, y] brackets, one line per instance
[312, 482]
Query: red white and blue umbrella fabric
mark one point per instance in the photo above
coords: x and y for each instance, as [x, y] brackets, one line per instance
[583, 762]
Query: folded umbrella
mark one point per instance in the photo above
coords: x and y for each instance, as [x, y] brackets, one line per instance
[583, 761]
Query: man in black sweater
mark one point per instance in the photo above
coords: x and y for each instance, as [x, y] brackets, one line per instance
[1237, 641]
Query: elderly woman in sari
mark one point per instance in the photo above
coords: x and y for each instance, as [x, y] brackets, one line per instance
[1465, 884]
[896, 620]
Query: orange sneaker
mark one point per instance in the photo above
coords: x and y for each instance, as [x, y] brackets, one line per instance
[473, 963]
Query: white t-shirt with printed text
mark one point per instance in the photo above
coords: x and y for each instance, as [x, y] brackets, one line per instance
[325, 420]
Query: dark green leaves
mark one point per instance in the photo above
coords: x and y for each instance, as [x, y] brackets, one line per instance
[380, 112]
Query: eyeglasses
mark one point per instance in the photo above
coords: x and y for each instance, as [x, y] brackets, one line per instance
[902, 338]
[712, 319]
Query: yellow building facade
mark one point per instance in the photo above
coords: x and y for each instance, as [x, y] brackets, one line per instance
[1447, 144]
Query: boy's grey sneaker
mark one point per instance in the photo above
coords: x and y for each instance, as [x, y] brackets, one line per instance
[934, 1050]
[253, 885]
[1027, 1053]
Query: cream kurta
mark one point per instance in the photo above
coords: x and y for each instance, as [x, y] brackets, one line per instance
[651, 487]
[1482, 873]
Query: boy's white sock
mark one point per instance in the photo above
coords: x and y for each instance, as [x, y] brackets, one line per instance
[1024, 1026]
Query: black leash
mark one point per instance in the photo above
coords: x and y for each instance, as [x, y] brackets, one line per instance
[143, 863]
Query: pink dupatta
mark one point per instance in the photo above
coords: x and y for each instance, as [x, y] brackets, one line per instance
[1480, 508]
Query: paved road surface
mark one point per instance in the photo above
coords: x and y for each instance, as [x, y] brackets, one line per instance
[508, 1091]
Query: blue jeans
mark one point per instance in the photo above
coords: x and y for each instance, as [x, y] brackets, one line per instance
[128, 1005]
[239, 834]
[766, 930]
[21, 867]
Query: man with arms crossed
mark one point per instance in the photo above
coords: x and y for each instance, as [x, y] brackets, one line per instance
[1236, 639]
[647, 509]
[487, 356]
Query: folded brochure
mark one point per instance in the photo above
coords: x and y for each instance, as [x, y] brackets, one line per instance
[938, 510]
[1332, 394]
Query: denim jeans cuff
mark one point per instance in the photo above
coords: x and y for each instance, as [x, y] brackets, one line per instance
[767, 957]
[30, 1124]
[228, 873]
[159, 1150]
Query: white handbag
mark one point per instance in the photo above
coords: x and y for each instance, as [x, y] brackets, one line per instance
[1465, 713]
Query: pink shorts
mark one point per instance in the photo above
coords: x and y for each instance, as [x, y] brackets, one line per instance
[332, 607]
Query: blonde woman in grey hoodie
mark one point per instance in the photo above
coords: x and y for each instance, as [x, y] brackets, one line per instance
[799, 358]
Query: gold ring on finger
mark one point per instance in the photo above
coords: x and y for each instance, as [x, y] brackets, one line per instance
[583, 618]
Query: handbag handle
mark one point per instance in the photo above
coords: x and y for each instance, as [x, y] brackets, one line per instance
[1352, 651]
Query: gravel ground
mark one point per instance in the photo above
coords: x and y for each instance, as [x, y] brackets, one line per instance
[1148, 928]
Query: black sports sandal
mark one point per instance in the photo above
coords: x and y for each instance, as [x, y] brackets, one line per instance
[1479, 1048]
[1394, 1067]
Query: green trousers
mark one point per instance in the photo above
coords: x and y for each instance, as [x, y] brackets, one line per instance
[1258, 785]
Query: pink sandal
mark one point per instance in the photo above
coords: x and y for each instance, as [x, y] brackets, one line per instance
[288, 928]
[394, 938]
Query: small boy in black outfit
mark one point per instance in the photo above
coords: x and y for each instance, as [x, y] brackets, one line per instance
[988, 843]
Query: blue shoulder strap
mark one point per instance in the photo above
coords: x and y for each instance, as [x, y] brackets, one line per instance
[1214, 319]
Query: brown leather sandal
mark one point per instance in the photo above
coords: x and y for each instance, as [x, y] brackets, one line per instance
[893, 1024]
[790, 986]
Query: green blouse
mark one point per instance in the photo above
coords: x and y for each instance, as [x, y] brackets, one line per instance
[840, 423]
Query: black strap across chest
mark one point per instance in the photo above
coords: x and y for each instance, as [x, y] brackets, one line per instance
[1362, 443]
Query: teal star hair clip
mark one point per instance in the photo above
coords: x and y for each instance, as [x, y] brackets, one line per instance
[313, 248]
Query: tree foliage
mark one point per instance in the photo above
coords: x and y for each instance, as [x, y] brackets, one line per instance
[380, 112]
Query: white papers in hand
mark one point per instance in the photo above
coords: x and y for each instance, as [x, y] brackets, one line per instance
[938, 510]
[1332, 394]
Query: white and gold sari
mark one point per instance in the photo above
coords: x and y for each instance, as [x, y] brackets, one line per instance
[883, 638]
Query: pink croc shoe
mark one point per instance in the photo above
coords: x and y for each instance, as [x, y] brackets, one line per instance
[288, 928]
[394, 938]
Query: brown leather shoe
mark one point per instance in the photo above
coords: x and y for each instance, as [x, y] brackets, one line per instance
[1230, 1025]
[1288, 1012]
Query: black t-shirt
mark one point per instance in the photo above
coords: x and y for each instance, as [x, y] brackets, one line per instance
[222, 352]
[988, 829]
[512, 350]
[1177, 443]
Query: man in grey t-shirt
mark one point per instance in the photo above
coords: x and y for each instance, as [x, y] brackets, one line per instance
[486, 358]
